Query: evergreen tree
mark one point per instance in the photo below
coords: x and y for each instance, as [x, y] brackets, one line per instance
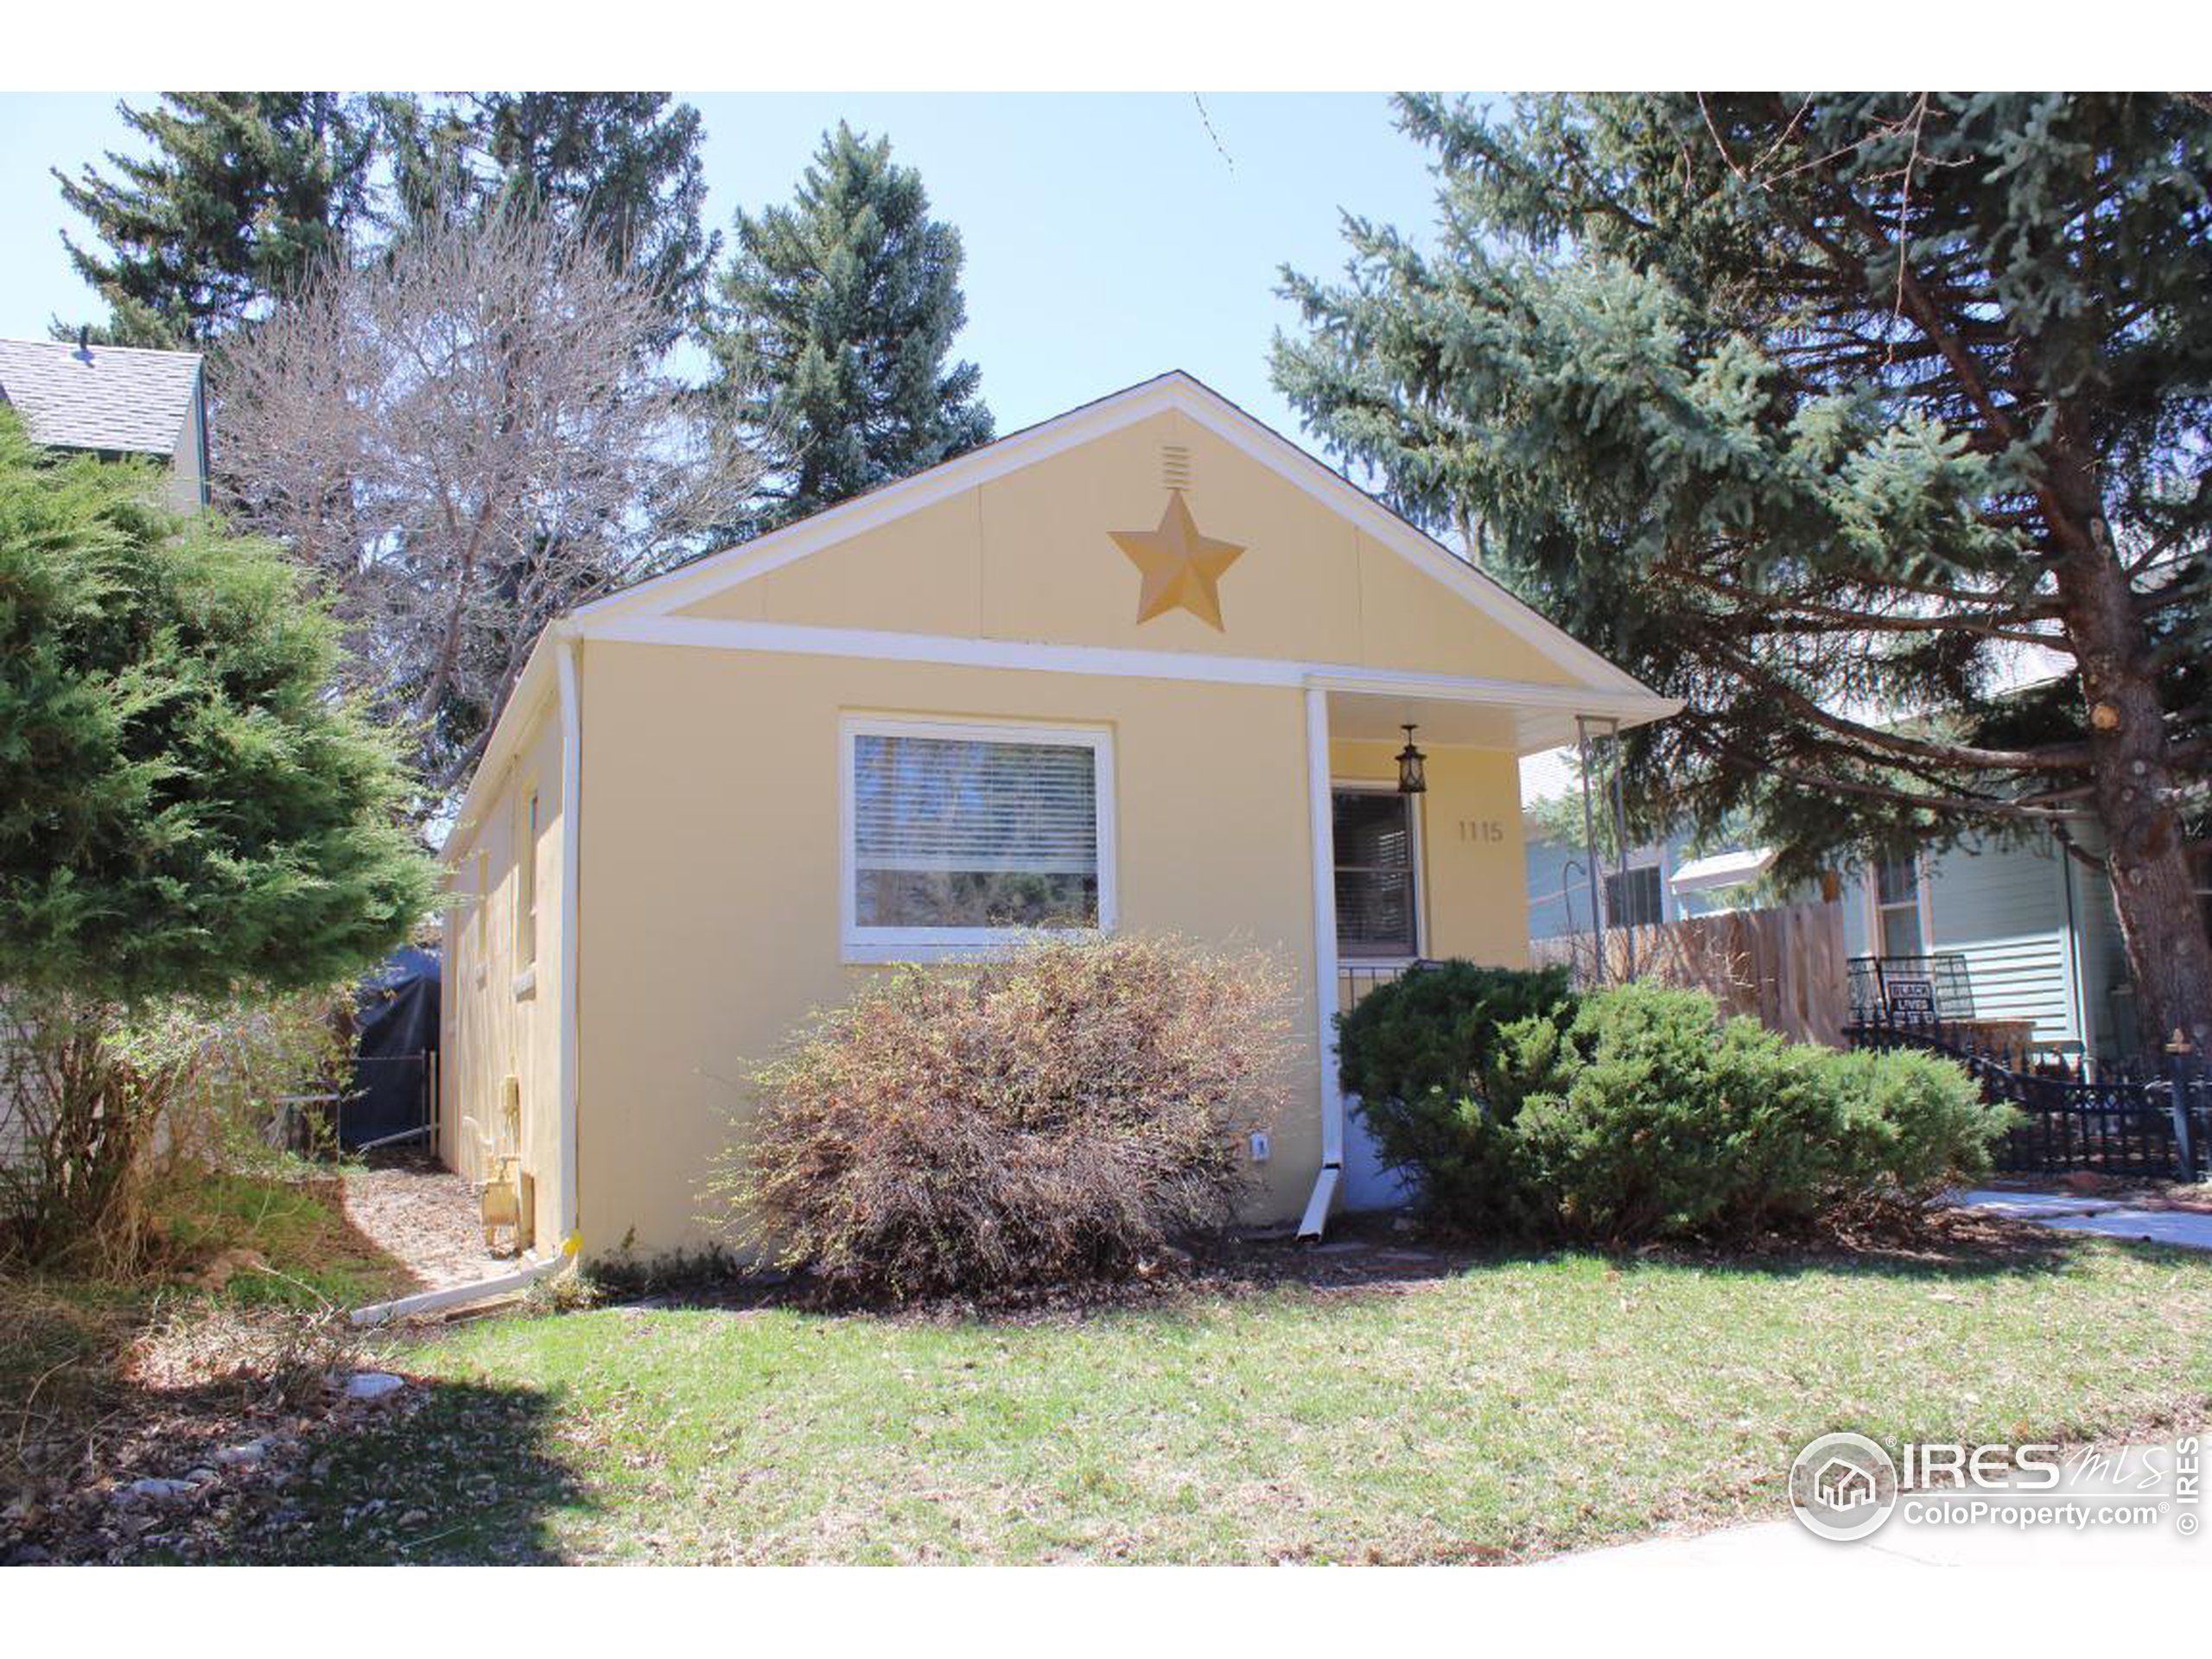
[243, 193]
[1830, 413]
[622, 170]
[184, 809]
[836, 317]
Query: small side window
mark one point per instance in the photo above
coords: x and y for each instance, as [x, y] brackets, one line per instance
[480, 896]
[526, 889]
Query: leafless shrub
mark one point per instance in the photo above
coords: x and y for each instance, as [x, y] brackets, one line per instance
[100, 1105]
[465, 436]
[1690, 956]
[1063, 1114]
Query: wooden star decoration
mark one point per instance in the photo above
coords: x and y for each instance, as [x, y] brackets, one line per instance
[1180, 566]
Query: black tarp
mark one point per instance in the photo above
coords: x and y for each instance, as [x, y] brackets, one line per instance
[396, 1055]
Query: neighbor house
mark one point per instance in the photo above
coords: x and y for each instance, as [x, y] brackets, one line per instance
[115, 401]
[2026, 937]
[1145, 666]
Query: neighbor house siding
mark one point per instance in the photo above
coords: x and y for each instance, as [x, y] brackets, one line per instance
[2002, 909]
[1558, 886]
[2103, 956]
[187, 480]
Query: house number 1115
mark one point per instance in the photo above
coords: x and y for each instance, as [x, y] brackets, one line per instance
[1481, 830]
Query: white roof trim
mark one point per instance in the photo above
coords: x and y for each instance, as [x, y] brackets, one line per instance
[1729, 869]
[532, 687]
[1176, 391]
[964, 652]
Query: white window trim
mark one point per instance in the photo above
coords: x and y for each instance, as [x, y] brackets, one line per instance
[525, 905]
[1377, 787]
[1921, 871]
[869, 944]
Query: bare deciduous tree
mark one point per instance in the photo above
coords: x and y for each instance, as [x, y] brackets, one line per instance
[463, 437]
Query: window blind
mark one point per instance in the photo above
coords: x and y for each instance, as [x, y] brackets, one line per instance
[952, 832]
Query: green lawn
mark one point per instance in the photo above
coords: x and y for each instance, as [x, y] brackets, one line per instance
[1501, 1408]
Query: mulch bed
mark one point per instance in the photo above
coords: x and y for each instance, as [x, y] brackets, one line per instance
[1370, 1255]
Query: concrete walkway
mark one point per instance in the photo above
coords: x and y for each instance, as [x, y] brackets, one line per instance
[2189, 1230]
[2123, 1506]
[1785, 1545]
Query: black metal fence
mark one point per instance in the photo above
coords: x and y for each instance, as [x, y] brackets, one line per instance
[2144, 1126]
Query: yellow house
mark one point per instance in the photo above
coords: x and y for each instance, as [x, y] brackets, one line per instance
[1144, 666]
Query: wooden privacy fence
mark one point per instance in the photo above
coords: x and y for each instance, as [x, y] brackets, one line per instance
[1783, 967]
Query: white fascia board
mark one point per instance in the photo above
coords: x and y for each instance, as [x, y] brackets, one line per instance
[663, 594]
[1634, 705]
[1111, 662]
[1271, 449]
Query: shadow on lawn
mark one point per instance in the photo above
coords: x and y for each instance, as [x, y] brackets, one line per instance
[462, 1472]
[221, 1337]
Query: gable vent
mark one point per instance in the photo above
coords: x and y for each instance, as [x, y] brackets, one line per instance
[1175, 466]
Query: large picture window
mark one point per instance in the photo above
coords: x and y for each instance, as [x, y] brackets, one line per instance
[1377, 901]
[959, 836]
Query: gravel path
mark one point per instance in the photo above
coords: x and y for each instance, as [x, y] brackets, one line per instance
[424, 1215]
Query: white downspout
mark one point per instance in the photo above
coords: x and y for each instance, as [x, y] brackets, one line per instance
[571, 801]
[1322, 832]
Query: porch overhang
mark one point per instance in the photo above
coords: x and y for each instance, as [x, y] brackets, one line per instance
[1517, 716]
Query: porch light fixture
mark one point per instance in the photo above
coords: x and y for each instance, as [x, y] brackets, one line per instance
[1413, 779]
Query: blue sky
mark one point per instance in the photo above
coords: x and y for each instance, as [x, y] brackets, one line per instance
[1109, 236]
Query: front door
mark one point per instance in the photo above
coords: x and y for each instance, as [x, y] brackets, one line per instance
[1378, 885]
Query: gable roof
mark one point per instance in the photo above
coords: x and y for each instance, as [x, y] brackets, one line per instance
[648, 610]
[1175, 391]
[116, 399]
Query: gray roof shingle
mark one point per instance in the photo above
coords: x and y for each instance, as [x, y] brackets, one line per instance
[122, 399]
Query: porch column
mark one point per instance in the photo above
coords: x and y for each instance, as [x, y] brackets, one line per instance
[1322, 830]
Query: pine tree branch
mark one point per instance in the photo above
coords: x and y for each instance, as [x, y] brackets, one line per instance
[2066, 757]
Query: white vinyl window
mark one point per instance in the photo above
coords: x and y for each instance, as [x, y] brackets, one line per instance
[961, 836]
[1900, 917]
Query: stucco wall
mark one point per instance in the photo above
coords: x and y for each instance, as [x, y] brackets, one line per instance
[711, 875]
[2040, 937]
[710, 888]
[495, 1022]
